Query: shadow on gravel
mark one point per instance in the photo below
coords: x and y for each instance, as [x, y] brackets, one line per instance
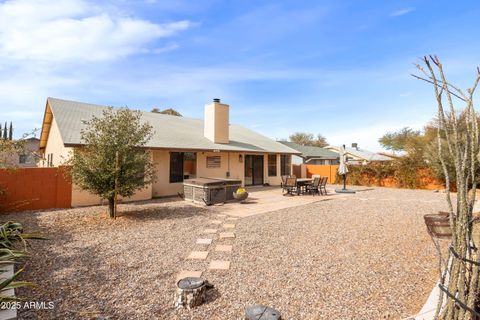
[211, 295]
[363, 190]
[161, 213]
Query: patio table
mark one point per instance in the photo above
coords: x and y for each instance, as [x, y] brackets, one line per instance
[301, 183]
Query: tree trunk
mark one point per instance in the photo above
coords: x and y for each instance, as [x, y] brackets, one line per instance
[111, 207]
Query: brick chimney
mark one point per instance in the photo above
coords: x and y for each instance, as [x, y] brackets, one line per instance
[216, 122]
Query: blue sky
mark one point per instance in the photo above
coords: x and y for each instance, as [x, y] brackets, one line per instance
[339, 68]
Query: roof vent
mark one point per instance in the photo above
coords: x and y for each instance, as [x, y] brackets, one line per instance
[355, 146]
[216, 100]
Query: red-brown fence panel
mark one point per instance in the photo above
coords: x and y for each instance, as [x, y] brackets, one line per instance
[34, 188]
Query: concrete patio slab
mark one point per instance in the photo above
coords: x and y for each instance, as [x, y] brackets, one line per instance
[219, 265]
[223, 248]
[204, 241]
[268, 199]
[227, 235]
[198, 255]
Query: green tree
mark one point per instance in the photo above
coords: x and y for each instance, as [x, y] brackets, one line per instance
[169, 111]
[400, 140]
[5, 132]
[113, 160]
[307, 139]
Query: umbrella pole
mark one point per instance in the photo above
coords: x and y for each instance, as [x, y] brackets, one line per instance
[344, 181]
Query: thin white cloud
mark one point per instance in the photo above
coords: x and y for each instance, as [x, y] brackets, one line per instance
[401, 12]
[167, 48]
[74, 31]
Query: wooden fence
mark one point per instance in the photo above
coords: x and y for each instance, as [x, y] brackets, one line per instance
[307, 170]
[33, 189]
[425, 178]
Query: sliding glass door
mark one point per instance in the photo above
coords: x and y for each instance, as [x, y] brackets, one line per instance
[253, 170]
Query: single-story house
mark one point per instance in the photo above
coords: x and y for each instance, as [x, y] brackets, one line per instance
[181, 148]
[355, 155]
[312, 155]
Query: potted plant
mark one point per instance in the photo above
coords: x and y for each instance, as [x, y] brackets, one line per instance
[241, 194]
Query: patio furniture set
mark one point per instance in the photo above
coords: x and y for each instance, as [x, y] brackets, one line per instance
[315, 185]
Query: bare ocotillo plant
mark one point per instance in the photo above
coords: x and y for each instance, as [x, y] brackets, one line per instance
[458, 139]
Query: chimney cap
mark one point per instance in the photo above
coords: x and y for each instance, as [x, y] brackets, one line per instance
[216, 99]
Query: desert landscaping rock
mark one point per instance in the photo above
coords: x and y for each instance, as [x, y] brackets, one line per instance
[259, 312]
[337, 259]
[216, 221]
[229, 226]
[224, 248]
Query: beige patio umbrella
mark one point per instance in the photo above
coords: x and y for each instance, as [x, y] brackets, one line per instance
[343, 170]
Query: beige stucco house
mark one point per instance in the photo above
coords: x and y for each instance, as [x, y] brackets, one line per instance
[181, 148]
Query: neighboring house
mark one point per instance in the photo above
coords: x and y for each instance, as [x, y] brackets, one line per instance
[312, 155]
[355, 155]
[181, 147]
[29, 157]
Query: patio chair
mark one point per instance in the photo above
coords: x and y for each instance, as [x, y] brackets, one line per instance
[323, 185]
[291, 185]
[314, 187]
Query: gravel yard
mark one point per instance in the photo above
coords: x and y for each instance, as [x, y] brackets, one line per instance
[366, 256]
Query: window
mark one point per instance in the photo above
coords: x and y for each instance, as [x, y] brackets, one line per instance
[285, 164]
[183, 165]
[50, 160]
[214, 162]
[23, 158]
[272, 165]
[176, 167]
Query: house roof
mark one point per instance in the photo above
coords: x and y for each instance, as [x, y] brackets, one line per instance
[170, 132]
[363, 154]
[310, 151]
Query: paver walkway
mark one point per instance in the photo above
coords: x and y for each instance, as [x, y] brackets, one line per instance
[225, 232]
[220, 233]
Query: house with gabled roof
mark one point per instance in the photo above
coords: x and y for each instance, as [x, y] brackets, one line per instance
[356, 155]
[181, 148]
[312, 154]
